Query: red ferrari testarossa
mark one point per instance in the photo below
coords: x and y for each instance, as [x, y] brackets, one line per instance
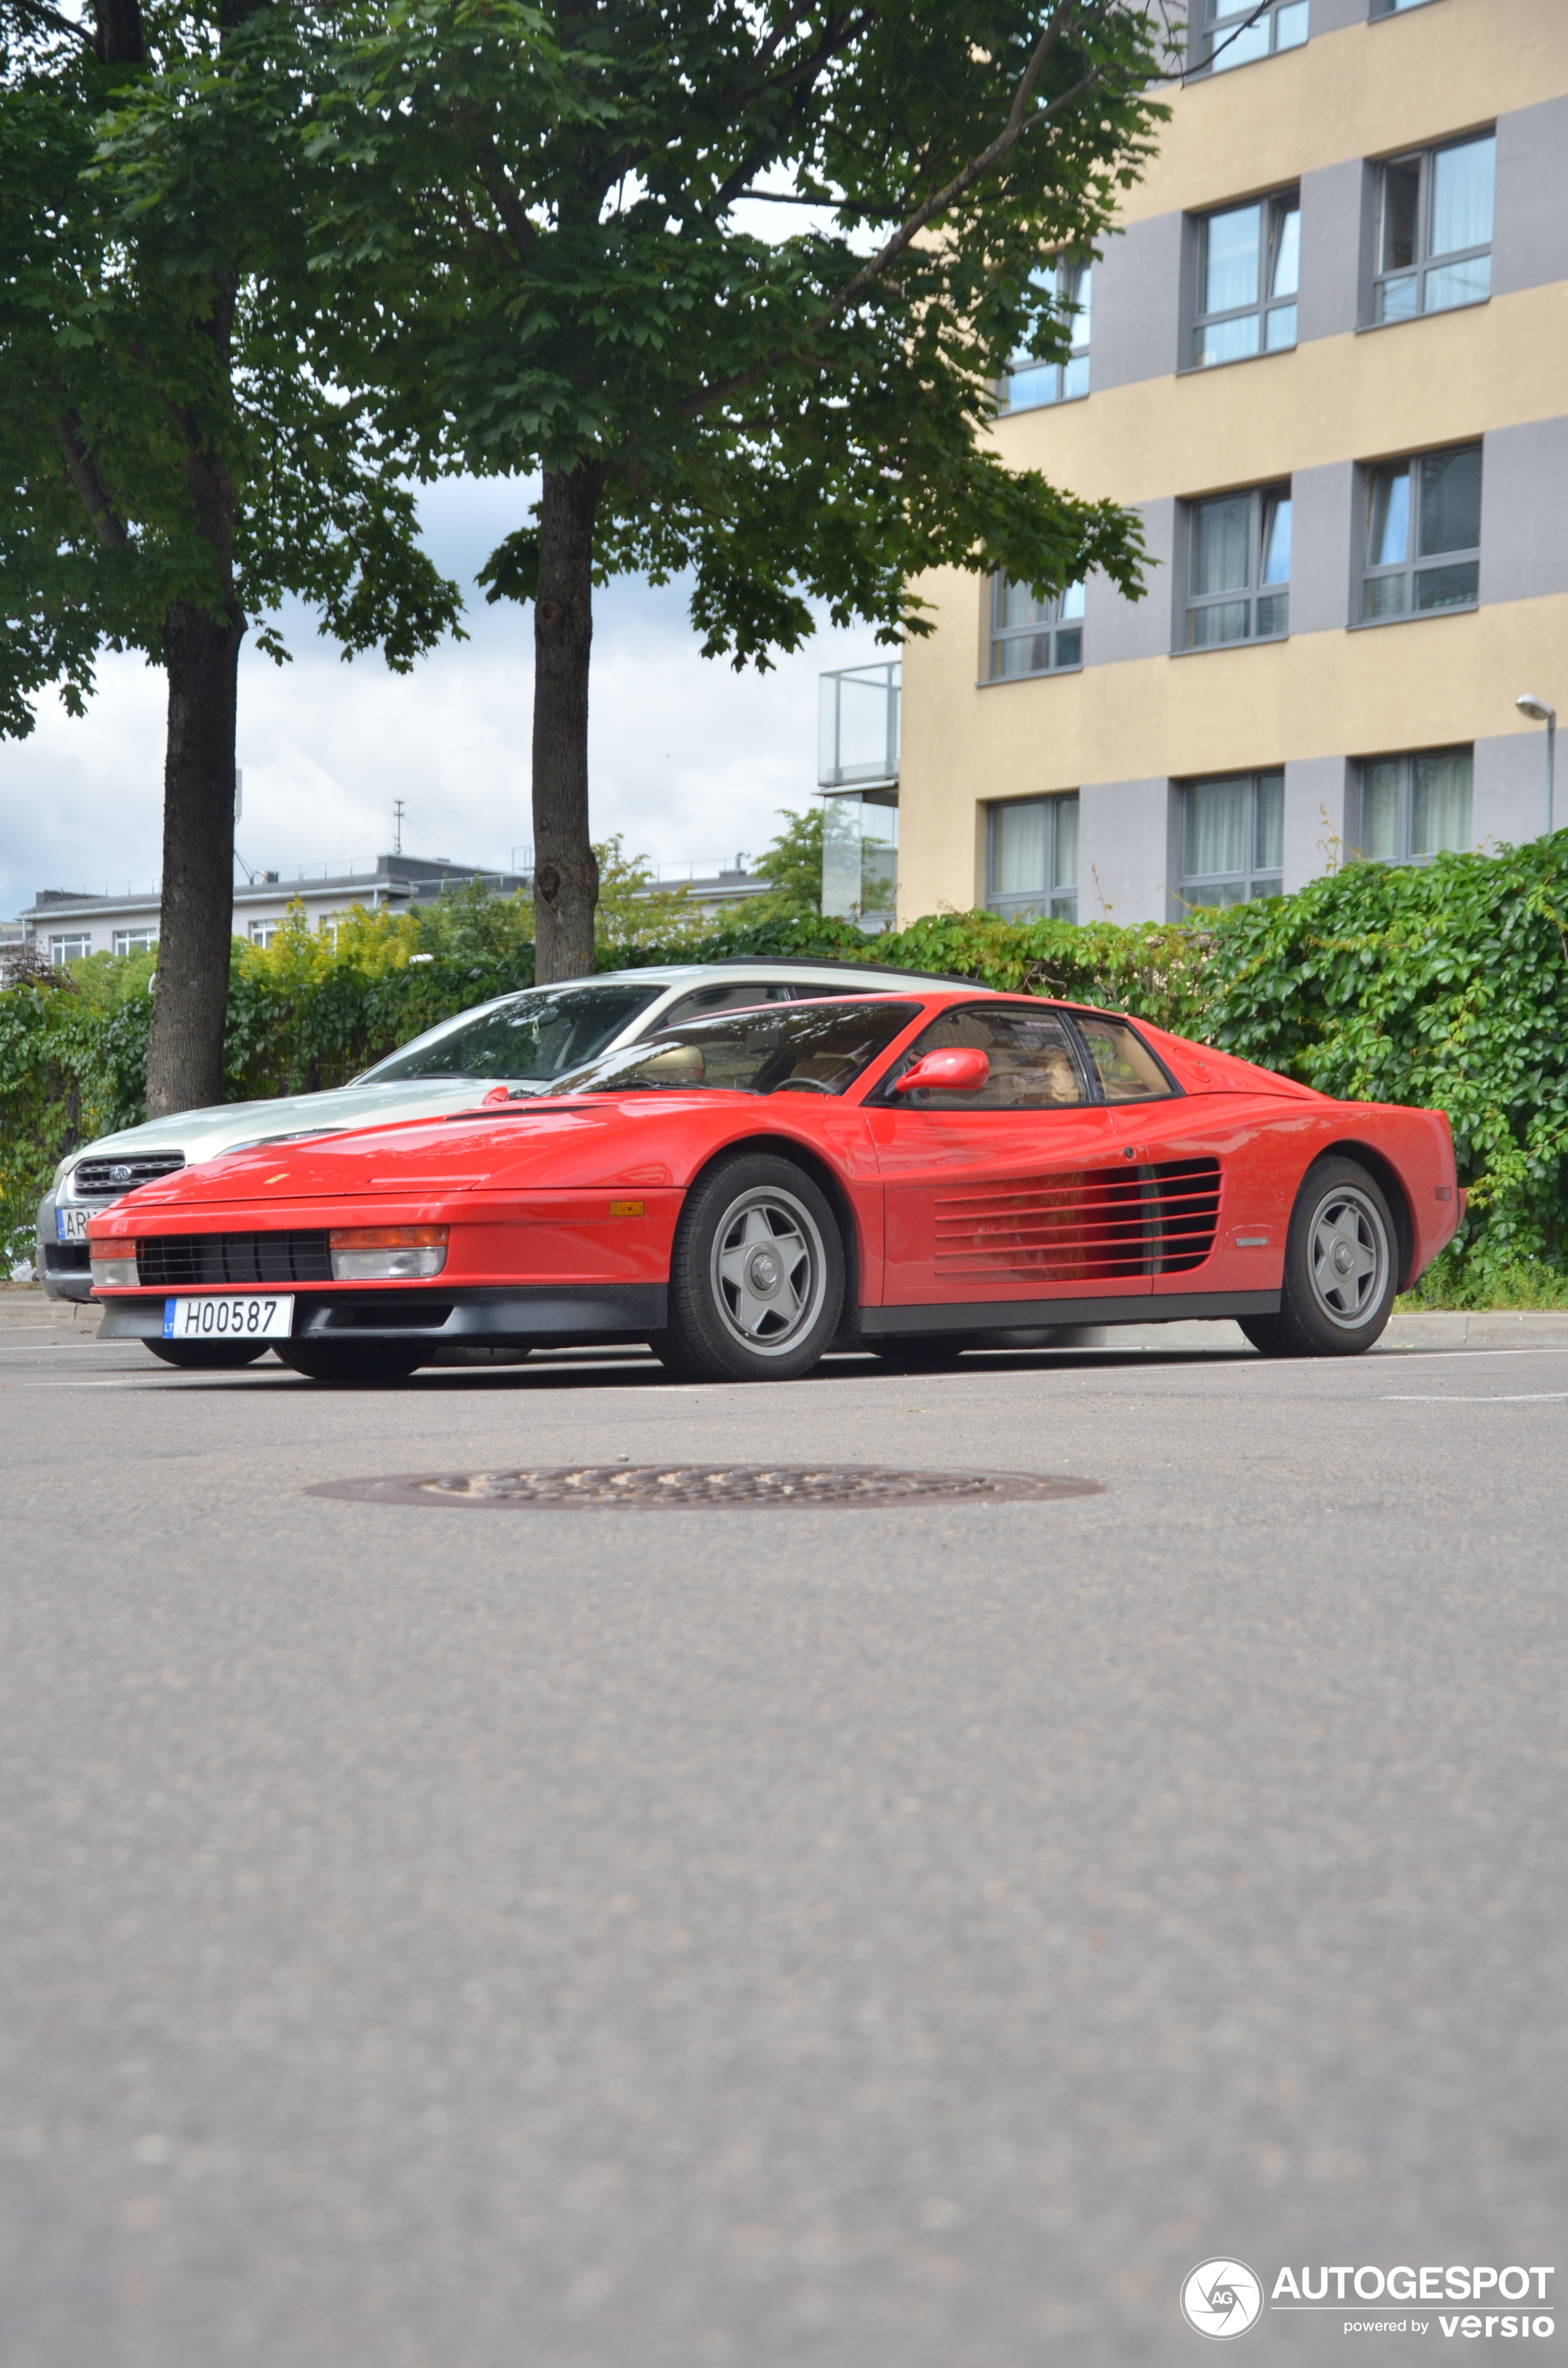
[907, 1172]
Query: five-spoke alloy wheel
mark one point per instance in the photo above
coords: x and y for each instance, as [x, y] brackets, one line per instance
[757, 1280]
[1341, 1268]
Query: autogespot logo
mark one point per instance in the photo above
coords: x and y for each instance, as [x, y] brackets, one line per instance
[1221, 2299]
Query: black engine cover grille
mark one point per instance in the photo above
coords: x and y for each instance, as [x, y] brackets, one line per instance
[170, 1259]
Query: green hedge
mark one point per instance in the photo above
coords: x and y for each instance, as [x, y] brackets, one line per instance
[1445, 987]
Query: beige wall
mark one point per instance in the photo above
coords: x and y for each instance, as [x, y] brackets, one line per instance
[1362, 92]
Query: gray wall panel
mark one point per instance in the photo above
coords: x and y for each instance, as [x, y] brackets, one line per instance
[1137, 303]
[1530, 237]
[1124, 853]
[1524, 511]
[1333, 16]
[1315, 817]
[1332, 207]
[1116, 628]
[1321, 505]
[1510, 784]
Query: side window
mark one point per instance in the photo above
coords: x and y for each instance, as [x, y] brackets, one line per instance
[1423, 534]
[703, 1001]
[1249, 264]
[1435, 230]
[1032, 1063]
[1126, 1068]
[1029, 382]
[1233, 32]
[1238, 569]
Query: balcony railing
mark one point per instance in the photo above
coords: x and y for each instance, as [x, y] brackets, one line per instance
[857, 726]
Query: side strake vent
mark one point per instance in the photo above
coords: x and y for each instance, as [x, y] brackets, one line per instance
[1092, 1226]
[168, 1259]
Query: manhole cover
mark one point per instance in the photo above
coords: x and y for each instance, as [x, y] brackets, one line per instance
[695, 1484]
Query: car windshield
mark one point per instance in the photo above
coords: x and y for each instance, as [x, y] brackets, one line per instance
[806, 1048]
[537, 1035]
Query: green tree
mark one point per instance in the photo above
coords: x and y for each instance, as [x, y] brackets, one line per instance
[793, 863]
[169, 466]
[541, 206]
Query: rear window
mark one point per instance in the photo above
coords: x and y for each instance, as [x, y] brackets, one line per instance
[1128, 1071]
[806, 1048]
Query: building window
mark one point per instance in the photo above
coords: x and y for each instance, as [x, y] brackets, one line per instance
[1232, 837]
[69, 949]
[1394, 7]
[261, 933]
[135, 942]
[1031, 636]
[1033, 865]
[1435, 231]
[1233, 32]
[1238, 569]
[1028, 382]
[1423, 534]
[1414, 807]
[1249, 260]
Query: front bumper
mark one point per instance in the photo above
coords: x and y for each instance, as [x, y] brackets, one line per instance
[537, 1316]
[62, 1268]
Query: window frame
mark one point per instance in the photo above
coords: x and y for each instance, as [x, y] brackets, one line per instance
[254, 933]
[135, 942]
[1426, 260]
[1382, 9]
[1406, 759]
[1414, 563]
[1073, 308]
[1053, 627]
[81, 939]
[1197, 64]
[1019, 903]
[1254, 592]
[1276, 205]
[1255, 881]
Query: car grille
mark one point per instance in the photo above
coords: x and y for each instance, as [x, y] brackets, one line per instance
[91, 1179]
[1092, 1226]
[172, 1258]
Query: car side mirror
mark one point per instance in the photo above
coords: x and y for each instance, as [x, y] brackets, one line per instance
[960, 1069]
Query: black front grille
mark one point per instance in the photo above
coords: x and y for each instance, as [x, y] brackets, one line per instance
[168, 1259]
[92, 1178]
[67, 1258]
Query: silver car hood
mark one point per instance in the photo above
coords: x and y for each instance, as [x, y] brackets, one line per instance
[208, 1134]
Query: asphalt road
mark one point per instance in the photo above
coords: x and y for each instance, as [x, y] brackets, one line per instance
[773, 1938]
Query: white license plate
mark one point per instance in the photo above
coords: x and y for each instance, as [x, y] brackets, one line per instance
[70, 1224]
[229, 1316]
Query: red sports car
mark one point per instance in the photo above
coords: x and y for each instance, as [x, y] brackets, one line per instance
[907, 1172]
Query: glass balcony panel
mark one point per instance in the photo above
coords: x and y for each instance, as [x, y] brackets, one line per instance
[1447, 588]
[1454, 284]
[841, 834]
[1210, 628]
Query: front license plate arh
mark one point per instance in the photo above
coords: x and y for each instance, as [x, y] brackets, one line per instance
[70, 1224]
[229, 1316]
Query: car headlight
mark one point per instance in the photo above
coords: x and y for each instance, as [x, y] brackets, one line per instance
[388, 1253]
[114, 1265]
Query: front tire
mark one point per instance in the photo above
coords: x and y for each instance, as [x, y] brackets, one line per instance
[1341, 1268]
[756, 1276]
[363, 1363]
[207, 1356]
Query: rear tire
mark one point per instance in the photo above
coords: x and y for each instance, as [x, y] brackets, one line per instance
[363, 1363]
[1341, 1268]
[207, 1356]
[757, 1275]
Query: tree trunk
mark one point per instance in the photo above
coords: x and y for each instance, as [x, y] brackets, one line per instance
[185, 1056]
[566, 876]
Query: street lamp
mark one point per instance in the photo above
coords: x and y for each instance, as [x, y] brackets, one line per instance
[1540, 712]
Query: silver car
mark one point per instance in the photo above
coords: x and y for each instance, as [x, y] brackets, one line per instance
[521, 1042]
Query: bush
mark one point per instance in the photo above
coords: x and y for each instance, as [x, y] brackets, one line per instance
[1445, 987]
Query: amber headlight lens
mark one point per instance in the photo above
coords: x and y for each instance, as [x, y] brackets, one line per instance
[388, 1253]
[114, 1265]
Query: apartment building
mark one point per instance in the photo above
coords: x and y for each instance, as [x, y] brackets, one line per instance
[1325, 358]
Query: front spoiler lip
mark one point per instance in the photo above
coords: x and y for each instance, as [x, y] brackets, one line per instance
[530, 1315]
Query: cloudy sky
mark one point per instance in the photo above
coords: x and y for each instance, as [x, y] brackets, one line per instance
[688, 760]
